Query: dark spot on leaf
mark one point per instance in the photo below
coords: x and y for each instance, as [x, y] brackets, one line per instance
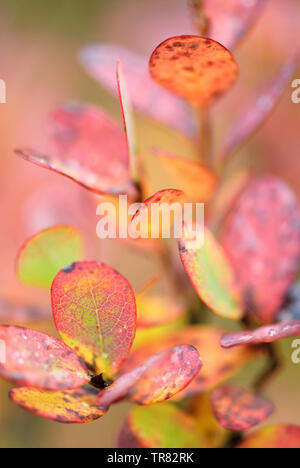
[69, 268]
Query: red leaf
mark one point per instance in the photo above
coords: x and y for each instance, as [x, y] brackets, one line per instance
[228, 21]
[100, 61]
[95, 313]
[38, 360]
[196, 68]
[69, 406]
[267, 334]
[250, 118]
[159, 378]
[281, 436]
[218, 364]
[262, 240]
[237, 409]
[88, 147]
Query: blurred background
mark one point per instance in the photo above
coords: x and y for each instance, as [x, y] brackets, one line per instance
[39, 42]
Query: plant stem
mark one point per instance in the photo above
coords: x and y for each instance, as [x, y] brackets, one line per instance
[272, 368]
[205, 136]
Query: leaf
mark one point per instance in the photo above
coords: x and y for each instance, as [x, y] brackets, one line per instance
[100, 60]
[127, 112]
[238, 410]
[197, 181]
[88, 147]
[69, 406]
[154, 226]
[252, 117]
[13, 311]
[157, 310]
[266, 334]
[95, 314]
[261, 237]
[158, 379]
[164, 426]
[226, 22]
[38, 360]
[210, 273]
[196, 68]
[218, 364]
[280, 436]
[44, 254]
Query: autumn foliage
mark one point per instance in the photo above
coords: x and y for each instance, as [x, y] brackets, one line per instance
[156, 351]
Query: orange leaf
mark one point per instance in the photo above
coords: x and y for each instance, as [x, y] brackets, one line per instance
[281, 436]
[237, 409]
[95, 313]
[197, 181]
[267, 334]
[88, 147]
[39, 360]
[161, 377]
[196, 68]
[261, 237]
[68, 406]
[100, 62]
[211, 274]
[154, 225]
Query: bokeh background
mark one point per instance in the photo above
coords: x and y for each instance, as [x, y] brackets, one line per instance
[39, 41]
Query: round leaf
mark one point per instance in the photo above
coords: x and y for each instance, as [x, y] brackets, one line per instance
[68, 406]
[95, 314]
[196, 68]
[44, 254]
[38, 360]
[218, 364]
[237, 409]
[161, 377]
